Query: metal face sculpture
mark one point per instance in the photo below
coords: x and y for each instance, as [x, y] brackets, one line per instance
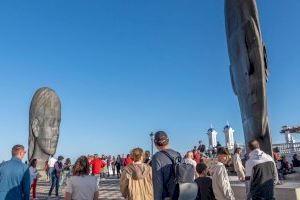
[44, 122]
[248, 68]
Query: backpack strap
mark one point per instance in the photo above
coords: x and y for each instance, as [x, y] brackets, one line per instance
[169, 156]
[174, 161]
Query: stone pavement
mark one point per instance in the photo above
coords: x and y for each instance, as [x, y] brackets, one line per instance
[109, 189]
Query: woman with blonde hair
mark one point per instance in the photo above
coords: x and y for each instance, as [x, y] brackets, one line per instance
[136, 178]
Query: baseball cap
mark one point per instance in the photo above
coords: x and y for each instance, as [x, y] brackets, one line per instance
[161, 138]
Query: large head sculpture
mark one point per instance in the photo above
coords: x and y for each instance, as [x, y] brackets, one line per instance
[44, 122]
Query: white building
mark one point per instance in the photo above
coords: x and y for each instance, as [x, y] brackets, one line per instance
[212, 137]
[229, 139]
[289, 138]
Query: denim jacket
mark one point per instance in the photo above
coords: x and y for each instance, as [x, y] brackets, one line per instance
[14, 180]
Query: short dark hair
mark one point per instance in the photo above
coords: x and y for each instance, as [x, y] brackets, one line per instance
[147, 154]
[161, 138]
[33, 162]
[276, 150]
[16, 149]
[253, 144]
[295, 156]
[81, 166]
[68, 161]
[236, 149]
[60, 158]
[201, 167]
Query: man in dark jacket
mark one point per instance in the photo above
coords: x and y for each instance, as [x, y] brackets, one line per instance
[261, 173]
[162, 169]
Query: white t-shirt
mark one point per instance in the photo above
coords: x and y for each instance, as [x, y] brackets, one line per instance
[82, 187]
[51, 162]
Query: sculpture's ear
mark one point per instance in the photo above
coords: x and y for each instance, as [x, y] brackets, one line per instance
[35, 127]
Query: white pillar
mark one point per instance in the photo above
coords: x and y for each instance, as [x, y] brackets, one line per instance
[289, 138]
[212, 137]
[229, 139]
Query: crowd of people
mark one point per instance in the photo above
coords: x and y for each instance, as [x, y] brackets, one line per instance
[165, 175]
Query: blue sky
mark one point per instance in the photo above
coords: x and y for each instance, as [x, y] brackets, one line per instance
[125, 68]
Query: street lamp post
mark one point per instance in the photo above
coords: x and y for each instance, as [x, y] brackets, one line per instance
[152, 142]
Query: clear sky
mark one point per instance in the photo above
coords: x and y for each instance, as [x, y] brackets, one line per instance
[125, 68]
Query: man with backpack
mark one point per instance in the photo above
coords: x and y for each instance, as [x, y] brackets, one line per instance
[168, 171]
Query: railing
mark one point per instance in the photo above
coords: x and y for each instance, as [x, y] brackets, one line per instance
[287, 148]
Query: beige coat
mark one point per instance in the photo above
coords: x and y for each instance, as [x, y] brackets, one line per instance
[220, 182]
[238, 167]
[136, 182]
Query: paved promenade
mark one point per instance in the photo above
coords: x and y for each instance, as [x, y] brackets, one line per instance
[109, 189]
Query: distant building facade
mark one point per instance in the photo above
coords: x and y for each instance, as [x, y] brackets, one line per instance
[229, 138]
[212, 137]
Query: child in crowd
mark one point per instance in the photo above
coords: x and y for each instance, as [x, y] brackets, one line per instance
[205, 190]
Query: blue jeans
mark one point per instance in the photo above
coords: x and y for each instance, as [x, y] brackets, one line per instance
[50, 170]
[54, 183]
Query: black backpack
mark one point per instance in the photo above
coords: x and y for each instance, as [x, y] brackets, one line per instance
[181, 173]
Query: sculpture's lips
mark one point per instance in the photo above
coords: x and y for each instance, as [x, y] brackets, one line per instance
[49, 143]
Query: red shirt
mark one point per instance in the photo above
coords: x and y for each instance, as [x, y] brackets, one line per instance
[97, 166]
[197, 157]
[127, 161]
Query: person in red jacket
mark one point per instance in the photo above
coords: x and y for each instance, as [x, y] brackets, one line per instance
[197, 156]
[97, 167]
[128, 160]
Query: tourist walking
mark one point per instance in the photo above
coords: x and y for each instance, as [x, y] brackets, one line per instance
[136, 178]
[128, 160]
[296, 160]
[51, 163]
[81, 186]
[261, 173]
[46, 168]
[119, 165]
[238, 165]
[97, 167]
[113, 165]
[123, 161]
[204, 183]
[279, 163]
[162, 167]
[66, 172]
[220, 181]
[189, 159]
[103, 171]
[147, 159]
[108, 165]
[15, 176]
[55, 176]
[33, 177]
[197, 156]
